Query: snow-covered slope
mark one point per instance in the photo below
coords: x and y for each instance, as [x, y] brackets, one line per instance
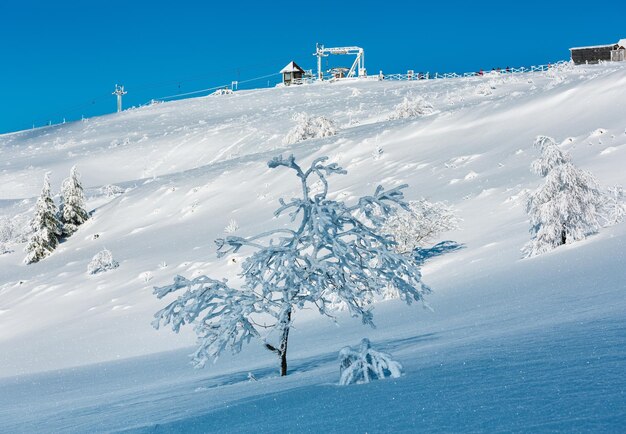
[190, 167]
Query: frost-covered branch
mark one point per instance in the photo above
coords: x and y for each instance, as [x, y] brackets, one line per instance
[366, 364]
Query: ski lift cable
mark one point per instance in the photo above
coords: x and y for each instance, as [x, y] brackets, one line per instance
[191, 93]
[200, 77]
[215, 87]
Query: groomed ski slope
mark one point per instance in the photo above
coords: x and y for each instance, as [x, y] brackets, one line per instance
[511, 344]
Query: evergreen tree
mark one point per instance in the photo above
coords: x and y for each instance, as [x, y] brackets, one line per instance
[334, 252]
[45, 226]
[567, 207]
[72, 211]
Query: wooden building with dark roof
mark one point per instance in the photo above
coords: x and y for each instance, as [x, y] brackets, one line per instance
[596, 53]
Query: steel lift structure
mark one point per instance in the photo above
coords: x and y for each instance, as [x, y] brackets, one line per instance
[358, 67]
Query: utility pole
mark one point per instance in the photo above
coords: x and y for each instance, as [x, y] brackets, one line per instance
[119, 91]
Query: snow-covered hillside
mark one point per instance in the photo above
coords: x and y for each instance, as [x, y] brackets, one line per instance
[511, 344]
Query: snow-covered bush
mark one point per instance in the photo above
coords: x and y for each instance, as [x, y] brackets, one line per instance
[558, 72]
[614, 211]
[101, 262]
[45, 226]
[72, 212]
[333, 252]
[14, 230]
[484, 89]
[366, 364]
[421, 223]
[111, 190]
[223, 91]
[567, 207]
[232, 227]
[309, 127]
[411, 108]
[4, 248]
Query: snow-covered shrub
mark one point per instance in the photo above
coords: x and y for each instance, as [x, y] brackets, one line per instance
[14, 230]
[309, 127]
[111, 190]
[101, 262]
[366, 364]
[567, 207]
[484, 89]
[223, 91]
[4, 249]
[232, 227]
[614, 211]
[559, 71]
[411, 108]
[422, 222]
[72, 212]
[332, 250]
[45, 226]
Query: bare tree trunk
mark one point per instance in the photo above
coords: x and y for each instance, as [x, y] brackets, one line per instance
[282, 349]
[283, 346]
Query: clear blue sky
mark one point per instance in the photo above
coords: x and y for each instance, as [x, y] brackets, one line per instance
[62, 58]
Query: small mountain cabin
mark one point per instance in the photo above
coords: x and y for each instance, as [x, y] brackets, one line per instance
[594, 54]
[292, 74]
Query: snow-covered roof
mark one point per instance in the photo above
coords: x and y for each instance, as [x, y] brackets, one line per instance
[592, 46]
[291, 67]
[621, 43]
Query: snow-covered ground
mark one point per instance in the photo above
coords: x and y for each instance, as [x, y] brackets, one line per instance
[511, 344]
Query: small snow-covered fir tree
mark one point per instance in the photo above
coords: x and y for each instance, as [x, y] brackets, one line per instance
[101, 262]
[72, 210]
[334, 252]
[567, 207]
[366, 364]
[309, 127]
[45, 226]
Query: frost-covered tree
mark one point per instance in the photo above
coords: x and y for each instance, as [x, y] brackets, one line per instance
[334, 251]
[14, 229]
[414, 228]
[366, 364]
[614, 205]
[421, 223]
[45, 226]
[72, 211]
[411, 108]
[101, 262]
[567, 207]
[309, 127]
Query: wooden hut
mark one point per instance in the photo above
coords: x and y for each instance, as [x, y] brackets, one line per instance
[292, 74]
[597, 53]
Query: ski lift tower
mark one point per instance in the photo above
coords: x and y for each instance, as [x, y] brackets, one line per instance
[358, 67]
[119, 91]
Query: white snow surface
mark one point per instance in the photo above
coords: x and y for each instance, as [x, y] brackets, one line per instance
[511, 344]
